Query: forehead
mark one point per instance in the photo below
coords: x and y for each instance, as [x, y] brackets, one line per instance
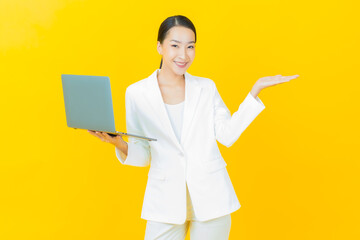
[182, 34]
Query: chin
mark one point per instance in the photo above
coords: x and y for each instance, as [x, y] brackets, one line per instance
[180, 71]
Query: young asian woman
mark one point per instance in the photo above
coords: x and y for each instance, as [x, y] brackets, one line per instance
[188, 184]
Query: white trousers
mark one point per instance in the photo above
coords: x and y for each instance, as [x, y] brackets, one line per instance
[213, 229]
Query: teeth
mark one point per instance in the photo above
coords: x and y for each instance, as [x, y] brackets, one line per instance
[181, 63]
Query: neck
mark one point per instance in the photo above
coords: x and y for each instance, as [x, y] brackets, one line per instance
[168, 77]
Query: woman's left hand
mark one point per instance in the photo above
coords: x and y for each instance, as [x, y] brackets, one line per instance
[265, 82]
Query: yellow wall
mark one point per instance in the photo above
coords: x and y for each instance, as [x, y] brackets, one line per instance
[295, 169]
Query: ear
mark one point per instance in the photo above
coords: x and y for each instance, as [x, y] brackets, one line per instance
[159, 48]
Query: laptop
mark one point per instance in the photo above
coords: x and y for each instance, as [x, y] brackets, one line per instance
[88, 104]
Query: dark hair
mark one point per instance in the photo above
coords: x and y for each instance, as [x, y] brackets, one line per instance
[167, 24]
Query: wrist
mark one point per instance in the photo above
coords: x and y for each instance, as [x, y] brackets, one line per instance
[121, 145]
[255, 91]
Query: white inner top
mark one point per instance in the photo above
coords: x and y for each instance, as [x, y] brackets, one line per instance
[175, 112]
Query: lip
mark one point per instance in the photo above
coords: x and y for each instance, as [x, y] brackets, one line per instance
[180, 66]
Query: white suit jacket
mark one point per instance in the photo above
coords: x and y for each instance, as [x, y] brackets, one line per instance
[196, 159]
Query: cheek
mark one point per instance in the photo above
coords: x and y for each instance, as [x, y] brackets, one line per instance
[170, 54]
[192, 54]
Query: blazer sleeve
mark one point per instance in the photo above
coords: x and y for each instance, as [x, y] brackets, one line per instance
[139, 153]
[229, 128]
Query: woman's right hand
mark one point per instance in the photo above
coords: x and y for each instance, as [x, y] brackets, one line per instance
[117, 141]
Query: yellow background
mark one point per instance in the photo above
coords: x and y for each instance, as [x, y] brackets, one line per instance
[295, 169]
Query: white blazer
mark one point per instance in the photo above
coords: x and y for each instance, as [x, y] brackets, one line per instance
[196, 159]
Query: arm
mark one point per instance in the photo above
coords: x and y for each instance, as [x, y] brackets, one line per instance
[229, 128]
[137, 151]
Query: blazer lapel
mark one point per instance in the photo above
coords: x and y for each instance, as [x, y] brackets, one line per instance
[192, 95]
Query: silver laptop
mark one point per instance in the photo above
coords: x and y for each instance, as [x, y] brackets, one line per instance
[88, 104]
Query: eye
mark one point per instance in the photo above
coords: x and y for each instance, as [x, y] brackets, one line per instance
[176, 46]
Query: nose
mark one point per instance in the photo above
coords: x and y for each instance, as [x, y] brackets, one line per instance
[182, 55]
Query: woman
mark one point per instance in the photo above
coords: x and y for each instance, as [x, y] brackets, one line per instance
[188, 184]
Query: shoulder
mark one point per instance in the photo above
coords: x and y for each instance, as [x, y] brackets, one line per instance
[141, 85]
[204, 82]
[136, 87]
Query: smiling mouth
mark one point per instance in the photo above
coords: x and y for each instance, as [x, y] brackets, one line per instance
[180, 64]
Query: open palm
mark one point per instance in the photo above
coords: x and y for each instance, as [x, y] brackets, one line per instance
[265, 82]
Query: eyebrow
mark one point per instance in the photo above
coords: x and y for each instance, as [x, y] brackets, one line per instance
[180, 42]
